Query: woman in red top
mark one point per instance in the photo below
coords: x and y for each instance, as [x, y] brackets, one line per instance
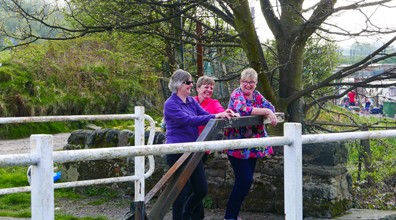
[205, 87]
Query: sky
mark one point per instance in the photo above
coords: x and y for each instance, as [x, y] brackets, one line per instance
[350, 20]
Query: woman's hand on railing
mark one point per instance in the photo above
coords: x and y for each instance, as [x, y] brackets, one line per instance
[228, 113]
[272, 117]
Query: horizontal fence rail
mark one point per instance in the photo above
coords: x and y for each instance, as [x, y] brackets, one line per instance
[159, 149]
[292, 142]
[347, 136]
[16, 120]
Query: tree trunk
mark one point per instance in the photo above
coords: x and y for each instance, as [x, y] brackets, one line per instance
[365, 154]
[290, 48]
[244, 25]
[290, 81]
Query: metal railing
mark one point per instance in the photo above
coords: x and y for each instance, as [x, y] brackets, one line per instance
[42, 159]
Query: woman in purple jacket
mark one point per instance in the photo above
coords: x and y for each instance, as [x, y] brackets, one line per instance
[183, 115]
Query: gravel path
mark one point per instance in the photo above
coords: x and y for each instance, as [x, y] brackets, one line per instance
[117, 208]
[21, 146]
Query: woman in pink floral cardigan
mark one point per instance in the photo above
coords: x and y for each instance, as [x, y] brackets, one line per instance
[246, 100]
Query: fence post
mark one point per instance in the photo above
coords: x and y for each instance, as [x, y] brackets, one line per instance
[139, 165]
[42, 178]
[293, 172]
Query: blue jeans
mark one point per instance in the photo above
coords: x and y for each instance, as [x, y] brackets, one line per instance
[243, 170]
[188, 204]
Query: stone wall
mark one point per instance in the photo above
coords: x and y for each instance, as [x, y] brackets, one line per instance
[326, 189]
[100, 138]
[327, 183]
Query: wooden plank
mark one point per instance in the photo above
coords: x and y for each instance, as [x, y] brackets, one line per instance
[216, 125]
[176, 184]
[181, 176]
[166, 177]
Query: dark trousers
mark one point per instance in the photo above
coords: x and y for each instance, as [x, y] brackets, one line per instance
[243, 170]
[188, 204]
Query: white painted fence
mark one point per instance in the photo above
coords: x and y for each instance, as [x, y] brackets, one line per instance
[42, 158]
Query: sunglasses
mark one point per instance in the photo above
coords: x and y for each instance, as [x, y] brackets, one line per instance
[188, 82]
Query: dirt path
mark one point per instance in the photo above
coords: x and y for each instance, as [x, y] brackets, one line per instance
[20, 146]
[117, 208]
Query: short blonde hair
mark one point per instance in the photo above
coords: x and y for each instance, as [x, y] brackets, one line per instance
[205, 80]
[249, 73]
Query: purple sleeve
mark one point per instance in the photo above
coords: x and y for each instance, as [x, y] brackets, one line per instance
[176, 114]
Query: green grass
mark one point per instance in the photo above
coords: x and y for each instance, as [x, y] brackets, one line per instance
[14, 205]
[383, 152]
[13, 177]
[18, 205]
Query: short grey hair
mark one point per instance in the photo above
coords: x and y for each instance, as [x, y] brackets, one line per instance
[205, 80]
[249, 73]
[177, 79]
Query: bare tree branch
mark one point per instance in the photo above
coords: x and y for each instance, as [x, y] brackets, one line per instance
[348, 70]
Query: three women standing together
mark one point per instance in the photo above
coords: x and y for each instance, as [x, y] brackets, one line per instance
[183, 115]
